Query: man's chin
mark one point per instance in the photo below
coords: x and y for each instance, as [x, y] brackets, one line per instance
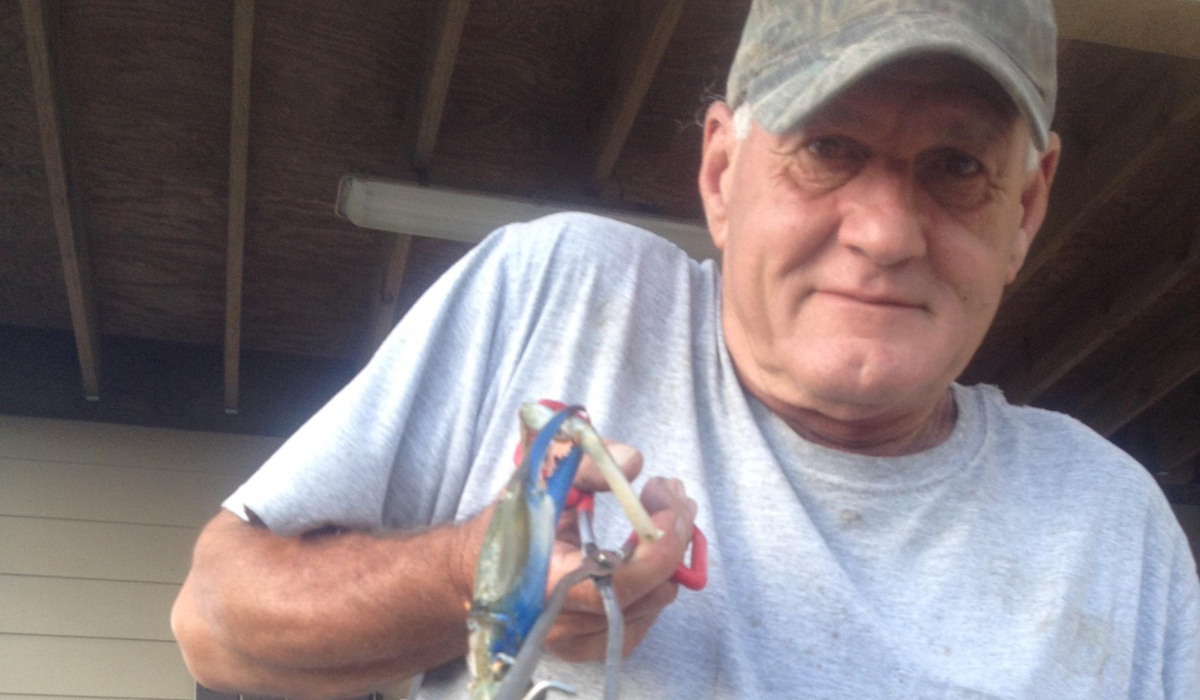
[858, 397]
[846, 378]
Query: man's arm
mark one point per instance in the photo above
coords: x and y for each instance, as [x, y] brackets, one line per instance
[341, 613]
[326, 614]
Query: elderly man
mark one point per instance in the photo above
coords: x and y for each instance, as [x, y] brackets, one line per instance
[876, 530]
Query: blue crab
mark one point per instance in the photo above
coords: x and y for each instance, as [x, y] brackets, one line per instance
[511, 573]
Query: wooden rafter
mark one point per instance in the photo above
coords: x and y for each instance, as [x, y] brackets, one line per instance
[1169, 435]
[64, 202]
[439, 66]
[1122, 158]
[1091, 317]
[394, 259]
[644, 53]
[1180, 455]
[440, 56]
[239, 144]
[1167, 360]
[1182, 448]
[1156, 26]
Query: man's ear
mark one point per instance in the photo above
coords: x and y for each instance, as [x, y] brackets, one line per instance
[717, 156]
[1034, 200]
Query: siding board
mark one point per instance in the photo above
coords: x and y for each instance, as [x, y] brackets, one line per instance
[97, 524]
[67, 607]
[10, 696]
[131, 446]
[112, 494]
[67, 666]
[109, 551]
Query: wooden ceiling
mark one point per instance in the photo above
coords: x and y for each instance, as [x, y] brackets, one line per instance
[168, 172]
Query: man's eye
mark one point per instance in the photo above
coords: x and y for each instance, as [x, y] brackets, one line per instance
[954, 164]
[956, 179]
[834, 148]
[829, 161]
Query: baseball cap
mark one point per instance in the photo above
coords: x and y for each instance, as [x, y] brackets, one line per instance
[794, 55]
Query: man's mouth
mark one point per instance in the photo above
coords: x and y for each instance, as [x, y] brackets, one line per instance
[881, 300]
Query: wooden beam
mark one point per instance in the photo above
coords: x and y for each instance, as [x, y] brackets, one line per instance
[394, 249]
[239, 145]
[1092, 316]
[1168, 358]
[1145, 140]
[439, 67]
[1157, 26]
[643, 56]
[1130, 159]
[1181, 450]
[64, 197]
[1184, 494]
[1175, 426]
[1167, 437]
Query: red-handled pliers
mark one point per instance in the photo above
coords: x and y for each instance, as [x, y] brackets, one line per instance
[693, 576]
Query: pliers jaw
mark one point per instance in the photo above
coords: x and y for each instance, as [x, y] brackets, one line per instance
[599, 567]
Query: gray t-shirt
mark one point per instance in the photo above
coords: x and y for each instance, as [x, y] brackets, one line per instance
[1025, 557]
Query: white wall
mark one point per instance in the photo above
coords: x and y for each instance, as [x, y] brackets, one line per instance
[97, 522]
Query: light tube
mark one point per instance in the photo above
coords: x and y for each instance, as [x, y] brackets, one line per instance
[388, 205]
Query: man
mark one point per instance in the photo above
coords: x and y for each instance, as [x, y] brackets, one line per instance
[876, 531]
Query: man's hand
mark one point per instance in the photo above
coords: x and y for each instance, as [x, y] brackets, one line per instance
[327, 614]
[642, 584]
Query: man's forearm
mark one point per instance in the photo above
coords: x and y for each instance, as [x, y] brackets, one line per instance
[324, 613]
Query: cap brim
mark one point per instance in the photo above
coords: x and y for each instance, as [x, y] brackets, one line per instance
[786, 93]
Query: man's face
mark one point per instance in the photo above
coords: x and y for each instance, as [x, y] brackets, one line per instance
[865, 253]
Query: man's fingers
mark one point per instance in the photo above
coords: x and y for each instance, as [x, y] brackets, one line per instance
[648, 605]
[592, 645]
[636, 631]
[642, 584]
[653, 602]
[668, 494]
[653, 563]
[581, 636]
[585, 600]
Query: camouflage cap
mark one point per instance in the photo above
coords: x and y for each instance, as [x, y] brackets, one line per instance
[796, 54]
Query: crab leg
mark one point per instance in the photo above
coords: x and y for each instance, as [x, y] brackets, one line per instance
[579, 430]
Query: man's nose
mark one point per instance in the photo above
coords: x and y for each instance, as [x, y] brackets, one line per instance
[882, 219]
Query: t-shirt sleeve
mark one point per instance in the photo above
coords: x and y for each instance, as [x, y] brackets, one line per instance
[420, 435]
[402, 429]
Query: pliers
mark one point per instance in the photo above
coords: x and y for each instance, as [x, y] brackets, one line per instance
[692, 576]
[598, 565]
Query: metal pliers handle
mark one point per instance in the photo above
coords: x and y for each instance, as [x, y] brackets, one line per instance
[692, 575]
[599, 566]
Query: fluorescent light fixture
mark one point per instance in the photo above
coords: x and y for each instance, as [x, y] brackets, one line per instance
[387, 205]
